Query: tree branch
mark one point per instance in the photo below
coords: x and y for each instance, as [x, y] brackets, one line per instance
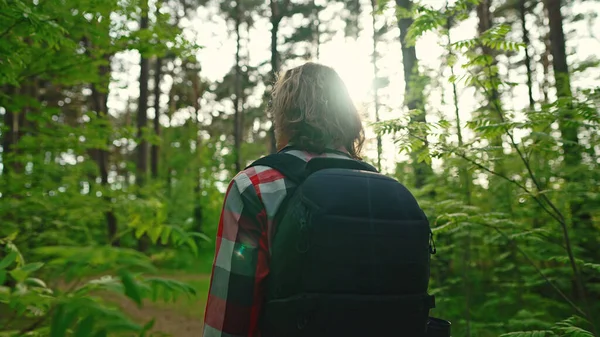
[16, 23]
[538, 270]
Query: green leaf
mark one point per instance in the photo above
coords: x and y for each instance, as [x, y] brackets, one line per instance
[19, 275]
[164, 237]
[84, 328]
[154, 233]
[131, 288]
[35, 282]
[58, 325]
[101, 333]
[147, 327]
[201, 236]
[8, 260]
[31, 267]
[2, 276]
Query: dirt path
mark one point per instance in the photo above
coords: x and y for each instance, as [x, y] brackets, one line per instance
[166, 320]
[180, 319]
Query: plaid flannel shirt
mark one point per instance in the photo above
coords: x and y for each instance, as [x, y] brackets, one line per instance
[243, 245]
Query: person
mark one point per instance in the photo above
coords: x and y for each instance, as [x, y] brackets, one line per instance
[256, 280]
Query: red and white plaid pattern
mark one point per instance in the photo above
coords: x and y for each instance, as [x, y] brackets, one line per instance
[243, 243]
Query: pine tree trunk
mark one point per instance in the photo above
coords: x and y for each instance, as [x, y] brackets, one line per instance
[237, 104]
[19, 125]
[142, 122]
[198, 210]
[275, 20]
[502, 200]
[582, 219]
[545, 57]
[316, 30]
[527, 42]
[142, 115]
[99, 101]
[9, 135]
[154, 152]
[375, 80]
[172, 107]
[413, 94]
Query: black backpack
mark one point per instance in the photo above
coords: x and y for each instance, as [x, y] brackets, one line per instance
[350, 254]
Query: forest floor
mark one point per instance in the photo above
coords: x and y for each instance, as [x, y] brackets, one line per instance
[182, 318]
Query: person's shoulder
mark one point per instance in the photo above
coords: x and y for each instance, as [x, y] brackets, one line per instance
[260, 174]
[255, 176]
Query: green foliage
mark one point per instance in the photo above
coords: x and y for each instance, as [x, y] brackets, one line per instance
[511, 246]
[55, 202]
[510, 255]
[75, 307]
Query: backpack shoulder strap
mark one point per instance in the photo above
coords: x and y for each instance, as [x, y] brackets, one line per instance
[289, 165]
[320, 163]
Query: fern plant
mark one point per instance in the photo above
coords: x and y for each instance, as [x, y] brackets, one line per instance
[509, 261]
[75, 306]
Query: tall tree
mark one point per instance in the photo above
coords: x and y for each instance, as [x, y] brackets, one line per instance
[523, 10]
[197, 88]
[154, 151]
[99, 103]
[142, 115]
[237, 103]
[569, 131]
[142, 120]
[374, 58]
[278, 10]
[492, 109]
[9, 132]
[583, 223]
[413, 93]
[158, 63]
[316, 29]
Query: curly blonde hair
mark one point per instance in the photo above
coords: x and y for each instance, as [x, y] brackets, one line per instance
[313, 111]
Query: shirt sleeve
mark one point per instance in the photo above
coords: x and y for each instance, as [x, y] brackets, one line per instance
[240, 266]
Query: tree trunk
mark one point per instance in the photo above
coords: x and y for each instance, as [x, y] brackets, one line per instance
[502, 202]
[413, 94]
[154, 152]
[527, 42]
[142, 115]
[237, 103]
[375, 80]
[545, 60]
[275, 20]
[9, 135]
[198, 210]
[99, 100]
[142, 122]
[315, 30]
[558, 45]
[465, 178]
[172, 107]
[19, 126]
[571, 148]
[582, 220]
